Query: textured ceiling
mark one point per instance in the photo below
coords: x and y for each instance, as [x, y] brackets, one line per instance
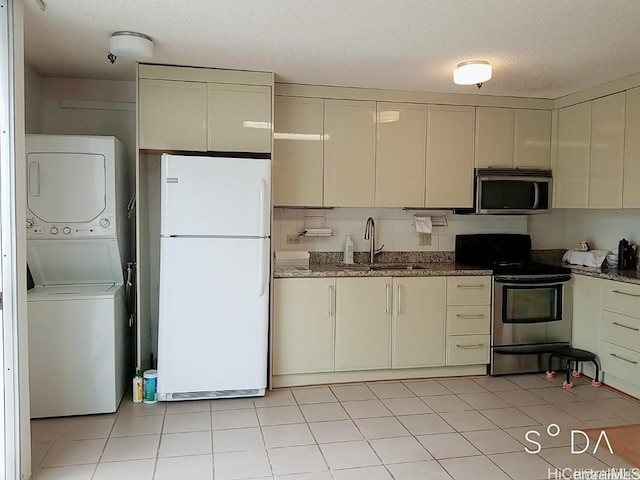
[538, 48]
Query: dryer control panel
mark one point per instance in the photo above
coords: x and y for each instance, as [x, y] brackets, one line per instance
[100, 227]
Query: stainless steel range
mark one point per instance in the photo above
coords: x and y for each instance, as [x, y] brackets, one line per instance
[528, 317]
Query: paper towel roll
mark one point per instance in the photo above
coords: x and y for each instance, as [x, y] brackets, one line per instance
[423, 224]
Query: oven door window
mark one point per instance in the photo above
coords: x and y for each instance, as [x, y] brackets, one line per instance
[526, 304]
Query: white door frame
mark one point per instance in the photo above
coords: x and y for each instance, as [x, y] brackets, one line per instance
[9, 401]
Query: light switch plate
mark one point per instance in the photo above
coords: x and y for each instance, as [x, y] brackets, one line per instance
[424, 239]
[293, 239]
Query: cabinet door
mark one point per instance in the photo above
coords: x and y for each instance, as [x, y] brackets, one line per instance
[586, 314]
[571, 178]
[449, 157]
[172, 115]
[363, 323]
[349, 153]
[297, 160]
[607, 152]
[418, 322]
[494, 137]
[532, 138]
[631, 192]
[400, 155]
[303, 325]
[239, 118]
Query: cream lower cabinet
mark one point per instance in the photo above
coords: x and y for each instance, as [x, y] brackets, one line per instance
[631, 192]
[303, 325]
[586, 316]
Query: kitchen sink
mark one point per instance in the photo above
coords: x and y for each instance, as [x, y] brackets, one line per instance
[381, 266]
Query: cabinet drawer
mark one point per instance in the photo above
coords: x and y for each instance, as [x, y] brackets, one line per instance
[467, 349]
[620, 361]
[621, 330]
[468, 320]
[469, 290]
[622, 298]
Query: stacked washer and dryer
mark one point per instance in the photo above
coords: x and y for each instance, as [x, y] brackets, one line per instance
[77, 239]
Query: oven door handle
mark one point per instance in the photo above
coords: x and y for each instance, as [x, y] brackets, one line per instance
[532, 282]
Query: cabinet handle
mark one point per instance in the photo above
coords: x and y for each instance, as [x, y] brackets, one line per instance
[388, 288]
[622, 358]
[399, 297]
[330, 300]
[626, 326]
[474, 345]
[477, 315]
[479, 285]
[625, 293]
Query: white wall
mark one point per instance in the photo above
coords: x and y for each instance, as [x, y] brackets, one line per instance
[32, 100]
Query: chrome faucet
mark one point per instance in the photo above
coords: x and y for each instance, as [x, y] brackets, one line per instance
[370, 234]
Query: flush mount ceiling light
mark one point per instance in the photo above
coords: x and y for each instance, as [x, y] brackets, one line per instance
[473, 72]
[131, 46]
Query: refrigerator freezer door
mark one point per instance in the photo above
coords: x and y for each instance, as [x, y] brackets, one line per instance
[213, 196]
[213, 318]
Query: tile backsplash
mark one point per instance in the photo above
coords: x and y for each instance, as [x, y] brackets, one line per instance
[395, 228]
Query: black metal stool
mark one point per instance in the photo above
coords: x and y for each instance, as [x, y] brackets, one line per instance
[574, 355]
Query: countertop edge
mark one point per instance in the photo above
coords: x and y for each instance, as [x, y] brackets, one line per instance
[435, 270]
[625, 276]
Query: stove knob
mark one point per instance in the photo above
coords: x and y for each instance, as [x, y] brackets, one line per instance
[29, 223]
[54, 231]
[104, 223]
[66, 230]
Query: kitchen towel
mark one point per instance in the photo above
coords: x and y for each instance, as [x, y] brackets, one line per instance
[423, 224]
[592, 258]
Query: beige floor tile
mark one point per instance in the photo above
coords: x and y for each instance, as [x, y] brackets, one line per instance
[224, 419]
[287, 435]
[587, 392]
[522, 465]
[298, 459]
[187, 422]
[555, 395]
[86, 428]
[131, 448]
[130, 409]
[130, 470]
[140, 425]
[231, 404]
[345, 393]
[314, 395]
[521, 398]
[181, 444]
[529, 381]
[430, 470]
[76, 472]
[462, 385]
[38, 452]
[237, 440]
[473, 468]
[192, 467]
[508, 417]
[400, 450]
[365, 473]
[426, 388]
[239, 465]
[366, 409]
[384, 427]
[496, 384]
[494, 441]
[448, 445]
[561, 457]
[349, 455]
[544, 439]
[191, 406]
[323, 412]
[482, 400]
[425, 424]
[275, 398]
[406, 406]
[446, 403]
[467, 421]
[585, 410]
[279, 415]
[335, 431]
[546, 414]
[73, 452]
[46, 429]
[306, 476]
[390, 390]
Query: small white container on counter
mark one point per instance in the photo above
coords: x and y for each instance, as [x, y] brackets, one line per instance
[348, 251]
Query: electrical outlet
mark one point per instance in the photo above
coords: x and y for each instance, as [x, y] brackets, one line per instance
[425, 239]
[295, 239]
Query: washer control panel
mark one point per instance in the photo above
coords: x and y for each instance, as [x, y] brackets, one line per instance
[100, 227]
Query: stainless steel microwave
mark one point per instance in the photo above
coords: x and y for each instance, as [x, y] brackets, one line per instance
[512, 191]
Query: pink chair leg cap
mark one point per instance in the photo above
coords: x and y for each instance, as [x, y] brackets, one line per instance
[595, 383]
[551, 374]
[576, 374]
[567, 385]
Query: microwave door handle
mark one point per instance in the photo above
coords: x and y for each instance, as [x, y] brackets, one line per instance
[536, 195]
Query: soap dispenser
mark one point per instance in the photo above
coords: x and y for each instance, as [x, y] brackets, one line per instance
[348, 250]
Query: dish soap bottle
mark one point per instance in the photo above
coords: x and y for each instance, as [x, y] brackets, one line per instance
[348, 251]
[137, 387]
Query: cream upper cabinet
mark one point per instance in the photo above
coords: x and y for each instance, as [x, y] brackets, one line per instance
[363, 323]
[571, 176]
[450, 141]
[349, 153]
[297, 159]
[418, 322]
[303, 325]
[400, 155]
[532, 138]
[607, 151]
[494, 137]
[239, 118]
[631, 189]
[172, 115]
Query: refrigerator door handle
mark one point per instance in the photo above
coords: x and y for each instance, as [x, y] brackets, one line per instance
[261, 271]
[263, 210]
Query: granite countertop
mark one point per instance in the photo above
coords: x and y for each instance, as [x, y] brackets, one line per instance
[429, 269]
[627, 276]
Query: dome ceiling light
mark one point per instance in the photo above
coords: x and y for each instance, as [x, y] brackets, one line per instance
[472, 72]
[131, 46]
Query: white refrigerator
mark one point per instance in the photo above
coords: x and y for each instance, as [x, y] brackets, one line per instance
[214, 277]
